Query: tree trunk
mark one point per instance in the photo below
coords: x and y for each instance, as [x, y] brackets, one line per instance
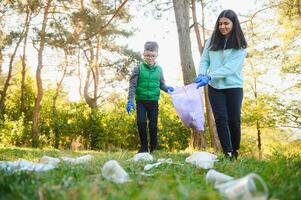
[79, 75]
[94, 70]
[210, 119]
[1, 61]
[181, 9]
[196, 27]
[258, 128]
[92, 103]
[22, 104]
[258, 135]
[197, 140]
[214, 140]
[38, 99]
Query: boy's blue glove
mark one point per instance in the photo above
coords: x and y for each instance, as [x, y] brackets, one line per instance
[202, 80]
[170, 89]
[130, 106]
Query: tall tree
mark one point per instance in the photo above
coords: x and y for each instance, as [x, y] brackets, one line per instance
[29, 8]
[39, 96]
[260, 109]
[289, 16]
[95, 30]
[181, 10]
[19, 37]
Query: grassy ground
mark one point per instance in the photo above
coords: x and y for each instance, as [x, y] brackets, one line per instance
[281, 172]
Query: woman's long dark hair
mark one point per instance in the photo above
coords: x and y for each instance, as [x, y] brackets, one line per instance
[235, 41]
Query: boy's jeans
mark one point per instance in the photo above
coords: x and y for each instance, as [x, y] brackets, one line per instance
[147, 110]
[226, 107]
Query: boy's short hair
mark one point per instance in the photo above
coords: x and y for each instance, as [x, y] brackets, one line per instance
[151, 46]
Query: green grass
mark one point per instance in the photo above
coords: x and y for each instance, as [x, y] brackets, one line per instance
[281, 172]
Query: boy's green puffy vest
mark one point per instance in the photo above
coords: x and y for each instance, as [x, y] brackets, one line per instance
[148, 86]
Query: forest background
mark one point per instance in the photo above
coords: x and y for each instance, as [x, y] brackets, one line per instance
[64, 69]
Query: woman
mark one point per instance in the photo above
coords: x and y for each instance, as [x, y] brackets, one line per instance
[221, 68]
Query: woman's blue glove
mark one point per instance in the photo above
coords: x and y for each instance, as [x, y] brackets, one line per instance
[130, 106]
[202, 80]
[170, 89]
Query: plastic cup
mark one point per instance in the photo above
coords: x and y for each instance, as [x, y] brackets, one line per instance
[114, 172]
[216, 177]
[250, 187]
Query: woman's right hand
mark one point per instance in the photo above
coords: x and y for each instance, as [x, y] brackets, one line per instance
[202, 80]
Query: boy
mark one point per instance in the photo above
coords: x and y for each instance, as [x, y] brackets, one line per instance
[145, 83]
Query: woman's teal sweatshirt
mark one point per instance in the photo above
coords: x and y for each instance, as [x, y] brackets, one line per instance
[223, 66]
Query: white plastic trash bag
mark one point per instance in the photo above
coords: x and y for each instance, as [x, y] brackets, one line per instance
[114, 172]
[82, 159]
[142, 157]
[202, 159]
[188, 102]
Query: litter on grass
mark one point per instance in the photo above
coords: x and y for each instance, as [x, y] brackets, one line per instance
[114, 172]
[214, 177]
[202, 159]
[249, 187]
[159, 162]
[82, 159]
[46, 163]
[142, 157]
[49, 160]
[25, 165]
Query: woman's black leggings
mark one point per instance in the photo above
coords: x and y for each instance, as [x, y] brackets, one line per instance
[226, 106]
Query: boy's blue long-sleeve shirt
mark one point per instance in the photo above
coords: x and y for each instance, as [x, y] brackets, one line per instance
[223, 66]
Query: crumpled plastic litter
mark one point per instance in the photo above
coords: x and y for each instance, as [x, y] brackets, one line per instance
[188, 102]
[49, 160]
[202, 159]
[145, 174]
[82, 159]
[159, 162]
[46, 163]
[142, 157]
[25, 165]
[114, 172]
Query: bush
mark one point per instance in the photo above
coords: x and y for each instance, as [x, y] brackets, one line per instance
[14, 132]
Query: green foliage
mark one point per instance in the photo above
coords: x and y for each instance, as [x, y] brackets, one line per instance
[14, 133]
[12, 103]
[289, 16]
[120, 128]
[262, 109]
[290, 114]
